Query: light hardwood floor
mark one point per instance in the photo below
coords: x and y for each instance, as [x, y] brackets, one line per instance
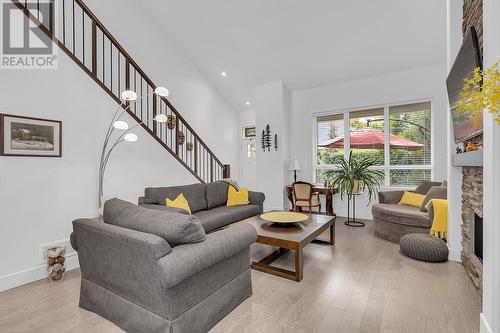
[362, 284]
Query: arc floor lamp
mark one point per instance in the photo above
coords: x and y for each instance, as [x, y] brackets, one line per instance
[126, 136]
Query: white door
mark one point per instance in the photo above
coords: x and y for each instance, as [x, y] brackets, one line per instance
[247, 163]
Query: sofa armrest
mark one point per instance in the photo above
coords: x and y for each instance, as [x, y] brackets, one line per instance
[189, 259]
[390, 197]
[165, 208]
[121, 260]
[257, 198]
[430, 215]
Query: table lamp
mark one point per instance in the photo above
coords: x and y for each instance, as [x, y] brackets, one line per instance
[294, 166]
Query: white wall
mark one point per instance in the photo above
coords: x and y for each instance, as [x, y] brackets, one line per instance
[272, 104]
[39, 197]
[247, 172]
[399, 87]
[191, 93]
[490, 321]
[454, 41]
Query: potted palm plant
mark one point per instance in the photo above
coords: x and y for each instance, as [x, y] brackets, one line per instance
[354, 176]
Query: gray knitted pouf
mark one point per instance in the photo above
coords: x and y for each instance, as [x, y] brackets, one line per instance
[424, 247]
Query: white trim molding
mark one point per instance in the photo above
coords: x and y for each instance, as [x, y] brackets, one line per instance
[455, 255]
[33, 274]
[484, 327]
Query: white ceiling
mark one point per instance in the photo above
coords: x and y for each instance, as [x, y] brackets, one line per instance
[305, 43]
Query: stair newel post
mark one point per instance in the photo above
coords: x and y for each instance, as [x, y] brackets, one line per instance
[226, 171]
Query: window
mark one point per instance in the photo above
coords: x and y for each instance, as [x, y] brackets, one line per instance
[398, 138]
[330, 137]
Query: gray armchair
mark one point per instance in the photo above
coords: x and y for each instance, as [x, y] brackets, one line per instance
[393, 221]
[142, 284]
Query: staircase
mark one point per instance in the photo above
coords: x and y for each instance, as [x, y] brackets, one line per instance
[92, 47]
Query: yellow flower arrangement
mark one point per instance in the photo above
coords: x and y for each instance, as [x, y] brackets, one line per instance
[482, 91]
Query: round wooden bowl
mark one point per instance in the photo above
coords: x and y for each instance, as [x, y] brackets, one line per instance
[284, 217]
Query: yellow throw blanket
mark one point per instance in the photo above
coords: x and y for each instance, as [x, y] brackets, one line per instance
[440, 221]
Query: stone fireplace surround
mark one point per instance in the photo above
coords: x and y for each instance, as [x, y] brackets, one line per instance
[472, 203]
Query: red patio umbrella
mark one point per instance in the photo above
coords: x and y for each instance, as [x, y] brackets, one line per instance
[370, 138]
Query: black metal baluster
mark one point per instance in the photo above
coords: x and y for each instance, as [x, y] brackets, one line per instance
[94, 48]
[83, 36]
[74, 38]
[119, 76]
[64, 21]
[135, 89]
[142, 99]
[147, 105]
[111, 63]
[103, 62]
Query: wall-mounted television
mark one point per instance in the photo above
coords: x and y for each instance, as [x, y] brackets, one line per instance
[466, 126]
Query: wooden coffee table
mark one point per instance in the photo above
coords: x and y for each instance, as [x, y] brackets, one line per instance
[293, 237]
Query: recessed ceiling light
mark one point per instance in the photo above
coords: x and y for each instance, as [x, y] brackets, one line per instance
[247, 103]
[223, 74]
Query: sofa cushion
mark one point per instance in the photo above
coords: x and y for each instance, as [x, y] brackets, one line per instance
[173, 227]
[165, 208]
[216, 194]
[425, 187]
[194, 193]
[401, 214]
[436, 192]
[211, 220]
[239, 212]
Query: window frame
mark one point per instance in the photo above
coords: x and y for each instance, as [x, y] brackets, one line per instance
[387, 167]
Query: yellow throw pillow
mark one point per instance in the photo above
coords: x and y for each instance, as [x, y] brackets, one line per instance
[412, 199]
[237, 198]
[179, 202]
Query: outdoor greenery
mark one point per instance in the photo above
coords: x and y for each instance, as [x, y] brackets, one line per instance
[353, 173]
[414, 126]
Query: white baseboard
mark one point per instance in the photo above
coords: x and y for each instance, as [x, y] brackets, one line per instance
[36, 273]
[484, 326]
[455, 255]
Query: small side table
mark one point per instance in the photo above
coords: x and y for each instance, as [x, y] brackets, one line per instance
[353, 222]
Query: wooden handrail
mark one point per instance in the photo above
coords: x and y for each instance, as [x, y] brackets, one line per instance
[216, 168]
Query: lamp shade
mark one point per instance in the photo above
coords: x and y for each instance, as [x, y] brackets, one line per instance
[120, 124]
[294, 165]
[162, 91]
[161, 118]
[130, 137]
[129, 95]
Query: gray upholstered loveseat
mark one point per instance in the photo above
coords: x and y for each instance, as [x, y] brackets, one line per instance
[393, 221]
[207, 203]
[155, 271]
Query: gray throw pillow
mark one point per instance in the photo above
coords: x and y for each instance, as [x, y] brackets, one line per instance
[175, 228]
[425, 187]
[435, 192]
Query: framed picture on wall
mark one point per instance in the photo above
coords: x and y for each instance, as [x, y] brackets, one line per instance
[248, 132]
[27, 136]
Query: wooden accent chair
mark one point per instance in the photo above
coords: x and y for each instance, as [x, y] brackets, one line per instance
[303, 196]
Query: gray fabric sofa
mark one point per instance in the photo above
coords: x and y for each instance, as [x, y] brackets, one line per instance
[393, 221]
[140, 282]
[207, 203]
